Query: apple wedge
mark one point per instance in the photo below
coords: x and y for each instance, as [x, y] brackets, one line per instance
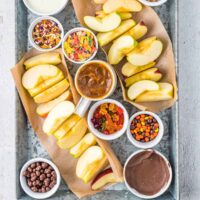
[138, 31]
[122, 6]
[74, 135]
[103, 178]
[43, 109]
[152, 74]
[128, 69]
[91, 162]
[99, 1]
[66, 126]
[52, 58]
[57, 116]
[164, 93]
[105, 38]
[125, 15]
[46, 84]
[52, 92]
[87, 141]
[140, 87]
[36, 75]
[147, 51]
[120, 48]
[105, 24]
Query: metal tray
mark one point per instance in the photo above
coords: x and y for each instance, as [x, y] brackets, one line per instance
[28, 146]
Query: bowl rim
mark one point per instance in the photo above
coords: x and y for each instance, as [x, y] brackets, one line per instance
[153, 4]
[111, 70]
[31, 27]
[75, 30]
[26, 188]
[150, 144]
[165, 187]
[98, 133]
[46, 14]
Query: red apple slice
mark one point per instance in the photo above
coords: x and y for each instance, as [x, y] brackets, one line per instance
[103, 178]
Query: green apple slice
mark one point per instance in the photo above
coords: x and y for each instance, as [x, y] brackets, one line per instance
[105, 24]
[120, 48]
[140, 87]
[147, 51]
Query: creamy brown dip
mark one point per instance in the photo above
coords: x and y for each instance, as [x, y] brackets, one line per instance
[147, 172]
[94, 80]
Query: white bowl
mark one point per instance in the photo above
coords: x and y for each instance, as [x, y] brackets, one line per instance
[153, 4]
[164, 189]
[75, 30]
[30, 31]
[152, 143]
[59, 9]
[98, 133]
[37, 195]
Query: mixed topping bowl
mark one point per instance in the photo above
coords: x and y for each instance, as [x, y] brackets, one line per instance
[108, 118]
[80, 45]
[46, 33]
[144, 128]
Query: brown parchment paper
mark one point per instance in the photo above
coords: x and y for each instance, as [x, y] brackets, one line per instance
[165, 62]
[62, 158]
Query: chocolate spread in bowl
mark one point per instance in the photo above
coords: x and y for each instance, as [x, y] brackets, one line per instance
[147, 172]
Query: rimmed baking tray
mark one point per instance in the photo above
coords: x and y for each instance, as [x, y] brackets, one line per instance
[28, 146]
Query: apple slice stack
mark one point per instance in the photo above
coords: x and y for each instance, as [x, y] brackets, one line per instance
[46, 83]
[120, 35]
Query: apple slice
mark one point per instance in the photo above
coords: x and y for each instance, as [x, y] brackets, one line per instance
[99, 1]
[120, 48]
[74, 135]
[128, 69]
[43, 109]
[91, 162]
[100, 14]
[138, 31]
[107, 23]
[147, 51]
[125, 15]
[152, 74]
[52, 58]
[57, 116]
[66, 126]
[103, 178]
[140, 87]
[105, 38]
[39, 74]
[87, 141]
[164, 93]
[122, 6]
[52, 92]
[46, 84]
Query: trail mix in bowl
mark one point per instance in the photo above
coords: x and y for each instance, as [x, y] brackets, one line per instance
[144, 128]
[40, 177]
[108, 118]
[80, 45]
[46, 34]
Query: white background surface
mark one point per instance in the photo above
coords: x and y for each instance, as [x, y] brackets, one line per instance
[189, 99]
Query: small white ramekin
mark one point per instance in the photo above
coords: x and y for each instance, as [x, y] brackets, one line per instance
[163, 190]
[98, 133]
[152, 143]
[75, 30]
[62, 6]
[153, 4]
[37, 195]
[30, 31]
